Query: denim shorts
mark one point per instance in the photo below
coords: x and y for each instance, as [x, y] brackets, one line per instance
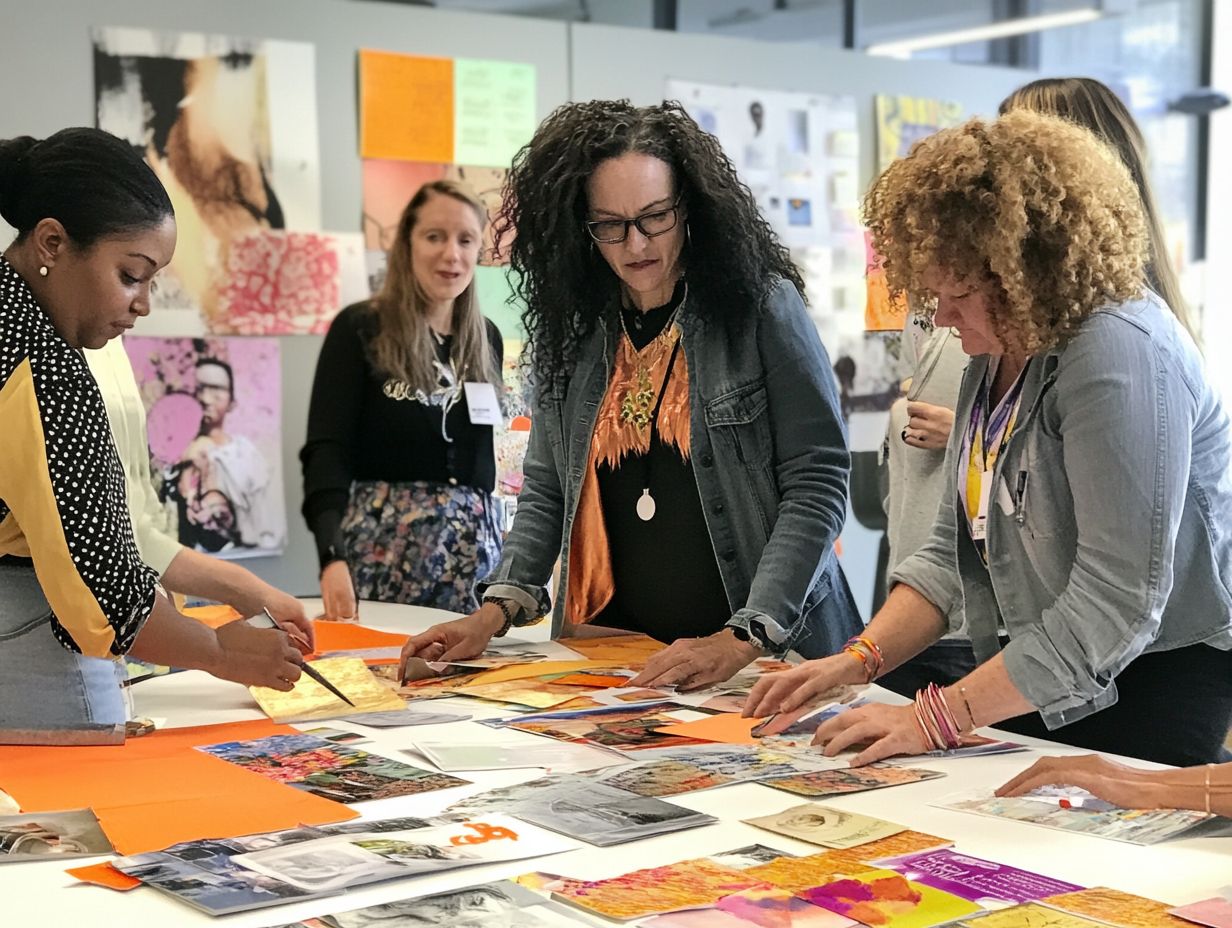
[43, 684]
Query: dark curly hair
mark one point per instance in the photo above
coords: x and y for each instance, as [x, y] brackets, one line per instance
[732, 256]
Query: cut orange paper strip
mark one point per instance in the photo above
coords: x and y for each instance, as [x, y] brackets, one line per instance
[347, 636]
[592, 679]
[106, 876]
[727, 728]
[406, 107]
[540, 669]
[154, 791]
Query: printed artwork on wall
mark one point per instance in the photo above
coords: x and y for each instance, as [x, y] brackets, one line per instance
[229, 126]
[902, 121]
[214, 412]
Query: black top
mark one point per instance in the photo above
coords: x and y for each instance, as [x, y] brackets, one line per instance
[666, 579]
[364, 425]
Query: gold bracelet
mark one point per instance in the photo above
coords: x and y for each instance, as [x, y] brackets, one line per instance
[962, 691]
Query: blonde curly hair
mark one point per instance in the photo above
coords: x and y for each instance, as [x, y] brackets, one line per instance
[1032, 204]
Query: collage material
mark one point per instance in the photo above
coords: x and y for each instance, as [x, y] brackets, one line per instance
[976, 879]
[642, 893]
[835, 828]
[329, 770]
[1115, 908]
[884, 898]
[504, 904]
[835, 782]
[619, 727]
[602, 815]
[44, 835]
[1135, 826]
[309, 700]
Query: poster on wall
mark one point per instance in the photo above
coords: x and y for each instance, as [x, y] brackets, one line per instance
[902, 121]
[229, 125]
[214, 410]
[799, 155]
[470, 117]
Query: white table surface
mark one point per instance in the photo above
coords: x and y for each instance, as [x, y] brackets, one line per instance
[1178, 871]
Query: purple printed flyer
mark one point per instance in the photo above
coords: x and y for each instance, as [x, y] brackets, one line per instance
[975, 879]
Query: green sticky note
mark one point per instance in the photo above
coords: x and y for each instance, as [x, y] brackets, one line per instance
[497, 301]
[494, 110]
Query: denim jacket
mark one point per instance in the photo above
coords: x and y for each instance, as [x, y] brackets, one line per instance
[1110, 517]
[770, 459]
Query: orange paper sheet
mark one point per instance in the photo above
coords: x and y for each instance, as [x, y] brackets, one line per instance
[728, 728]
[106, 876]
[540, 669]
[156, 790]
[347, 636]
[213, 616]
[406, 107]
[628, 651]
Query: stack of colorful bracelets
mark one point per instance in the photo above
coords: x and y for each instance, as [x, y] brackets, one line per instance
[865, 650]
[936, 721]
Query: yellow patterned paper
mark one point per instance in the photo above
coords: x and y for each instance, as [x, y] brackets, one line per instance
[1029, 915]
[685, 885]
[800, 873]
[309, 700]
[1118, 908]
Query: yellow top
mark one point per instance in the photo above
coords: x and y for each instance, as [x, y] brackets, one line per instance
[62, 500]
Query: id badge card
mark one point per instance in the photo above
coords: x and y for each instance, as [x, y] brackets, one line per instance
[979, 525]
[482, 404]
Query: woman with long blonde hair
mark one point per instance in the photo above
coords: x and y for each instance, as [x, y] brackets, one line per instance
[398, 474]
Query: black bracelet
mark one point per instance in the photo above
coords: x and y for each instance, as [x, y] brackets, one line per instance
[507, 610]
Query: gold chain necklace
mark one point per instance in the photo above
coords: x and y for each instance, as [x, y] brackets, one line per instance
[638, 402]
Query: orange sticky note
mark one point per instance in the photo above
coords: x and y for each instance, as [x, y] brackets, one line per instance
[105, 875]
[406, 107]
[156, 790]
[726, 728]
[213, 616]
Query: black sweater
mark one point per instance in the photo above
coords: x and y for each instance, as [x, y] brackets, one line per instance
[357, 431]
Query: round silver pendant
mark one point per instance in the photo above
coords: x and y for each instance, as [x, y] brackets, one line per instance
[646, 506]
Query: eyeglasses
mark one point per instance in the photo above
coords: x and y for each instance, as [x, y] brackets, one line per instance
[613, 231]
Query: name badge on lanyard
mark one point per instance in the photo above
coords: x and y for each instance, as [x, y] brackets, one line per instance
[979, 524]
[482, 404]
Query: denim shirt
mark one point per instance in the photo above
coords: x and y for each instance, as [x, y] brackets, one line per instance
[1110, 517]
[770, 458]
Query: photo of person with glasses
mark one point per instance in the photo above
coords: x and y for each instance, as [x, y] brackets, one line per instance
[687, 460]
[232, 493]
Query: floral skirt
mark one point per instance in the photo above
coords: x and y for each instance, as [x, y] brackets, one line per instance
[422, 544]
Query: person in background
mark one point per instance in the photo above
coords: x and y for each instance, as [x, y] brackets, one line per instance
[687, 460]
[1086, 521]
[93, 227]
[181, 569]
[920, 428]
[398, 475]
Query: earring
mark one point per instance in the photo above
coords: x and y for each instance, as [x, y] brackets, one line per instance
[688, 235]
[43, 271]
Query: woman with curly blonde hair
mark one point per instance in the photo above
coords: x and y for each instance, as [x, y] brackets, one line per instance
[1086, 523]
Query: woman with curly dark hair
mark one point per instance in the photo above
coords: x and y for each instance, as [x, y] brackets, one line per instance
[687, 460]
[1086, 522]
